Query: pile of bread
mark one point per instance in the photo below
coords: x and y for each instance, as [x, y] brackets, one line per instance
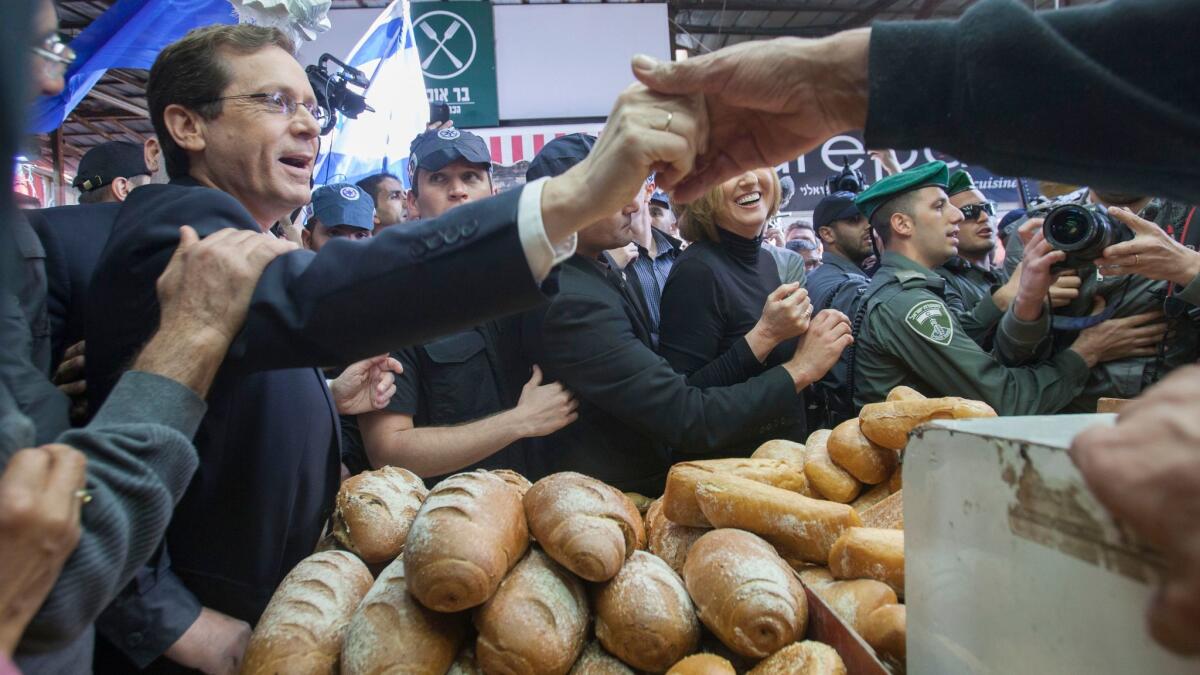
[486, 573]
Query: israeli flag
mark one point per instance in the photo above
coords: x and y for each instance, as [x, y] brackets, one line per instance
[378, 141]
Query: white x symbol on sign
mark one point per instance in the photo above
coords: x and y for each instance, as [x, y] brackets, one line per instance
[441, 44]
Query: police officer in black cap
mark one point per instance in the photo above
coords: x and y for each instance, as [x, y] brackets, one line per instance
[339, 211]
[458, 405]
[110, 171]
[847, 237]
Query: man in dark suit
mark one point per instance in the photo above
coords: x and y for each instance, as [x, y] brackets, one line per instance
[239, 135]
[634, 408]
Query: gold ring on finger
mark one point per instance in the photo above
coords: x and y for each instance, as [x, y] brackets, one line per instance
[670, 117]
[83, 495]
[1135, 260]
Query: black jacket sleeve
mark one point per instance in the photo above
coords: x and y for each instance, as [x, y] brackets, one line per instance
[1087, 95]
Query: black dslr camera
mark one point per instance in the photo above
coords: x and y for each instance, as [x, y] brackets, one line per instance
[848, 180]
[1082, 232]
[334, 93]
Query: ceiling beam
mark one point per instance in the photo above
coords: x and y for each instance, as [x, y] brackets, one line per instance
[136, 136]
[118, 102]
[92, 127]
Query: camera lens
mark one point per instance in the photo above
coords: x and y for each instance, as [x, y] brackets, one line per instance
[1069, 228]
[1083, 232]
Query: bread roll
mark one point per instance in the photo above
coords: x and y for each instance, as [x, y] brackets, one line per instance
[746, 595]
[827, 479]
[853, 600]
[780, 448]
[668, 540]
[596, 661]
[864, 460]
[871, 497]
[521, 483]
[640, 501]
[896, 482]
[885, 629]
[301, 630]
[903, 393]
[887, 514]
[703, 664]
[802, 658]
[469, 532]
[585, 525]
[392, 632]
[374, 511]
[465, 663]
[679, 499]
[870, 553]
[799, 527]
[644, 615]
[536, 623]
[813, 576]
[889, 423]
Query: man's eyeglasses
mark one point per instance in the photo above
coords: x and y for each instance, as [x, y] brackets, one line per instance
[972, 211]
[56, 55]
[281, 103]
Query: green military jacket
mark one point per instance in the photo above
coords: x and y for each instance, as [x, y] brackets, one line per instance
[908, 335]
[1130, 295]
[969, 291]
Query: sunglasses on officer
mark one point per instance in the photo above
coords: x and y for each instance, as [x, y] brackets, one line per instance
[972, 211]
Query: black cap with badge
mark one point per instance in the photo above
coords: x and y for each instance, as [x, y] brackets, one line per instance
[107, 162]
[836, 206]
[434, 149]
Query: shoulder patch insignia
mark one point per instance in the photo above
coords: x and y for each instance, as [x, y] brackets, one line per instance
[931, 320]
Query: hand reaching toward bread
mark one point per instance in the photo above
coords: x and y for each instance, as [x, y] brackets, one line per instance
[214, 644]
[366, 386]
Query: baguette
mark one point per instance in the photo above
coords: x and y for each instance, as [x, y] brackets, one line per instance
[802, 658]
[814, 576]
[586, 526]
[668, 540]
[896, 482]
[854, 452]
[536, 623]
[391, 632]
[468, 534]
[871, 497]
[374, 511]
[885, 630]
[746, 595]
[887, 514]
[789, 451]
[596, 661]
[800, 528]
[301, 630]
[853, 600]
[903, 393]
[889, 423]
[645, 617]
[703, 664]
[828, 479]
[679, 499]
[521, 483]
[870, 553]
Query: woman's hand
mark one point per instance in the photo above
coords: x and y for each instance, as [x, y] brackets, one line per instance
[785, 316]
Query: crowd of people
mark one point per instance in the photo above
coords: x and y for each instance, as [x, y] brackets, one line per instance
[199, 352]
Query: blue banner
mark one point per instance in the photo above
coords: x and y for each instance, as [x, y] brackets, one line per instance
[129, 35]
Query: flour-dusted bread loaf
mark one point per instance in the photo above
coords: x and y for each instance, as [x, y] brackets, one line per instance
[585, 525]
[802, 658]
[887, 514]
[870, 553]
[644, 615]
[800, 528]
[853, 600]
[670, 540]
[827, 479]
[464, 663]
[746, 594]
[521, 483]
[536, 623]
[468, 534]
[903, 393]
[886, 630]
[889, 423]
[850, 449]
[641, 501]
[703, 664]
[301, 630]
[595, 661]
[781, 449]
[392, 632]
[871, 497]
[679, 499]
[374, 511]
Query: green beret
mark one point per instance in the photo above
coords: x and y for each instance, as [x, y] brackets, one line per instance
[883, 191]
[960, 181]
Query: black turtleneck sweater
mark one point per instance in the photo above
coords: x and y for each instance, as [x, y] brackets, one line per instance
[713, 297]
